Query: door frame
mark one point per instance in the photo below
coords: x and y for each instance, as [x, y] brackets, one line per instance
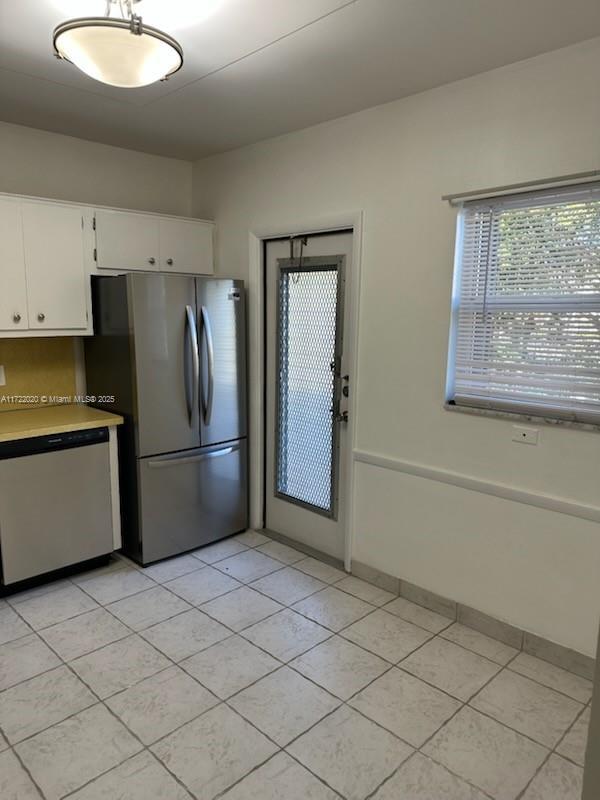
[354, 221]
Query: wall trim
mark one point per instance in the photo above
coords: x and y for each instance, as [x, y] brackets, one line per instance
[560, 505]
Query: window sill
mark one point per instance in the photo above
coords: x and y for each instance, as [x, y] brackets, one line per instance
[516, 417]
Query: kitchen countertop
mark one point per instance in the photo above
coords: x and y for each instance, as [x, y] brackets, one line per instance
[46, 420]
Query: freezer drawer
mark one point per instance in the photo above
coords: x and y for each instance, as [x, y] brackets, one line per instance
[55, 510]
[191, 498]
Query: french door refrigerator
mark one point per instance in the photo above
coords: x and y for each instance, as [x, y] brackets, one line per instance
[169, 355]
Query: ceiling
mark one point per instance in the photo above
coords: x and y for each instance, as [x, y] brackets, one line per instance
[258, 68]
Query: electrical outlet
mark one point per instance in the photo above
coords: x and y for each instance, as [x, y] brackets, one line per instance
[525, 435]
[2, 376]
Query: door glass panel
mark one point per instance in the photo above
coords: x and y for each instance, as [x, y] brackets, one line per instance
[308, 351]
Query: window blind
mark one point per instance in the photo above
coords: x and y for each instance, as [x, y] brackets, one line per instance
[526, 304]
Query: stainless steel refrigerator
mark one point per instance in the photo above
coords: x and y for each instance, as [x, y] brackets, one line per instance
[171, 351]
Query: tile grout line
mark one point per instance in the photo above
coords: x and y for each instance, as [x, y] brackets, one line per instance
[101, 701]
[283, 663]
[391, 666]
[219, 702]
[534, 776]
[333, 632]
[465, 704]
[418, 752]
[585, 708]
[545, 685]
[502, 667]
[554, 751]
[122, 763]
[550, 751]
[240, 632]
[222, 702]
[24, 767]
[514, 730]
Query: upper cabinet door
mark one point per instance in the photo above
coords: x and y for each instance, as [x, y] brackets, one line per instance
[186, 246]
[13, 287]
[55, 266]
[126, 241]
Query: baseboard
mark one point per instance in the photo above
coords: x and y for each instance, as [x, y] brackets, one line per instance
[490, 626]
[303, 548]
[423, 597]
[559, 655]
[520, 639]
[376, 578]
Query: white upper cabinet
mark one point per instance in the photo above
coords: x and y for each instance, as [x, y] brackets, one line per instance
[45, 262]
[13, 285]
[49, 249]
[128, 241]
[186, 246]
[55, 266]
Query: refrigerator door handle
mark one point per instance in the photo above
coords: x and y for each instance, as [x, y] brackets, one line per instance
[210, 354]
[191, 326]
[177, 460]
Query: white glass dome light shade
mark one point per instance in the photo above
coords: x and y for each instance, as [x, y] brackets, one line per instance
[115, 52]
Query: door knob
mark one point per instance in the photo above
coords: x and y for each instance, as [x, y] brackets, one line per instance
[152, 261]
[169, 261]
[41, 317]
[16, 317]
[342, 416]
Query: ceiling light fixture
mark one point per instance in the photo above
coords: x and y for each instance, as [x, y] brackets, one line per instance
[120, 51]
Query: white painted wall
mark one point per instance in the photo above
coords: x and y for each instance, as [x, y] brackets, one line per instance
[47, 164]
[537, 569]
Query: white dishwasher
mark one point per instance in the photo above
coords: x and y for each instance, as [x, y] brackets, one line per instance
[55, 502]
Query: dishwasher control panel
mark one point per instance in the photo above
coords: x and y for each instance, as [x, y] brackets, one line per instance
[53, 441]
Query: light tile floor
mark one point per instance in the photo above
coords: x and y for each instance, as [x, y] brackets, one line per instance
[248, 671]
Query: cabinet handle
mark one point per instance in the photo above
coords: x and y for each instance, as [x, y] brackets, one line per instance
[152, 261]
[16, 317]
[169, 261]
[41, 317]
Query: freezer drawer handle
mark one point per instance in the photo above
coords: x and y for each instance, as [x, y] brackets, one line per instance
[172, 462]
[191, 329]
[210, 354]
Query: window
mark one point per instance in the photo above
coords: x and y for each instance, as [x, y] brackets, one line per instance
[526, 304]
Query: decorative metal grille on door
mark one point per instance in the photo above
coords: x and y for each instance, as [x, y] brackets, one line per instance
[309, 319]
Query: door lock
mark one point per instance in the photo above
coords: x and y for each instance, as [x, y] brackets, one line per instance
[341, 416]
